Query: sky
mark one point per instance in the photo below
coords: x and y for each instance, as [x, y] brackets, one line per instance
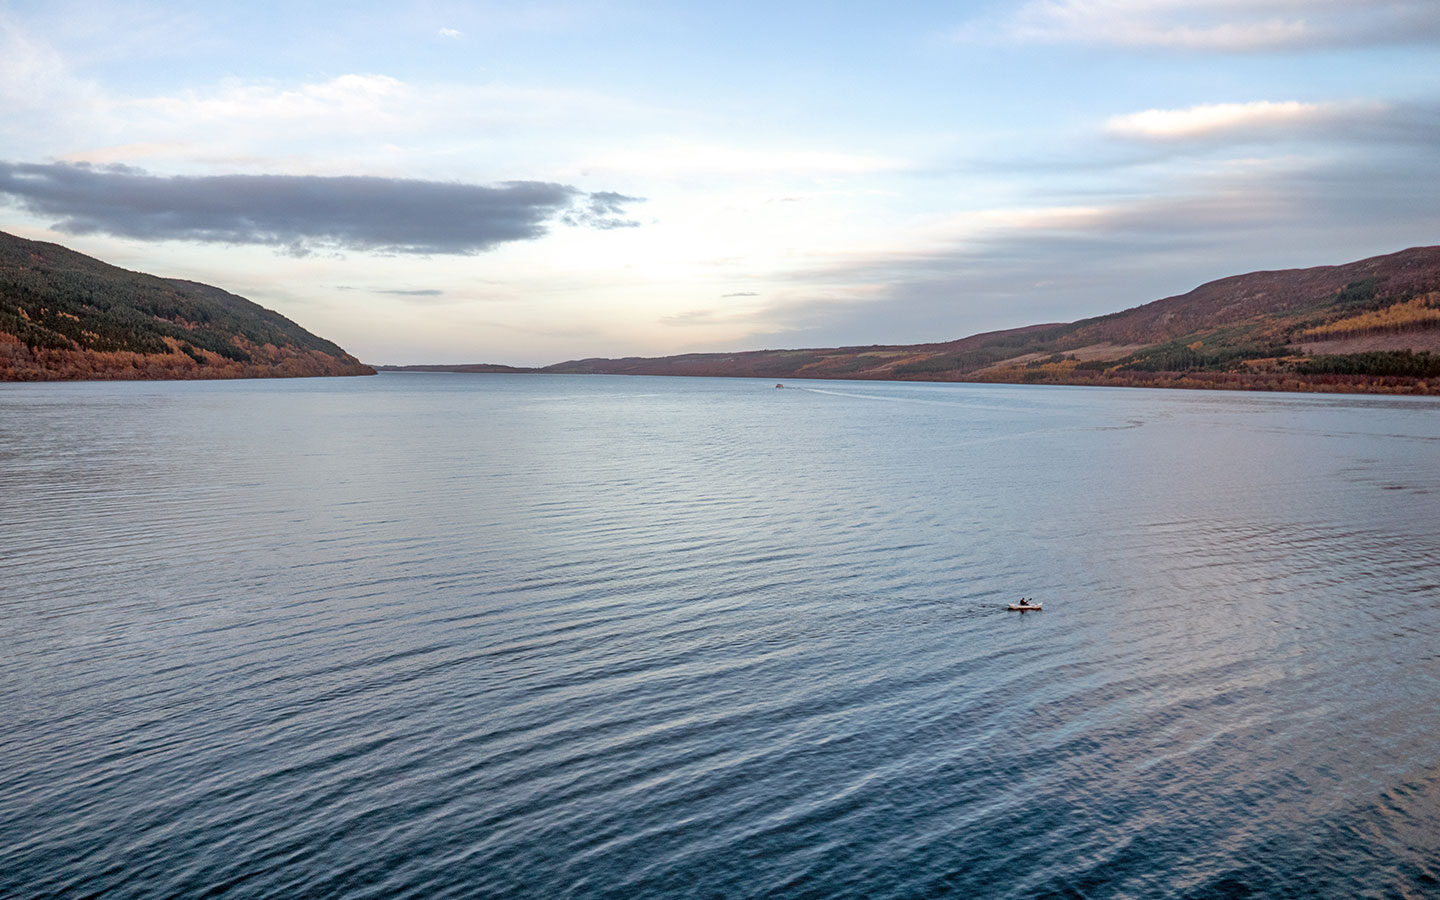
[531, 182]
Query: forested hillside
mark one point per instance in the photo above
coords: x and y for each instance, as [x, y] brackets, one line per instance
[64, 315]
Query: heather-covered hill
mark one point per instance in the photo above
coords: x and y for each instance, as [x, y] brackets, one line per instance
[1288, 300]
[64, 315]
[1370, 325]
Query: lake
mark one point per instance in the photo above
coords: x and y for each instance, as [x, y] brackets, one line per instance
[425, 635]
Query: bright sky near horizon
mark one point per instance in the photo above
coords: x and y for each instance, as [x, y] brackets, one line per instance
[528, 182]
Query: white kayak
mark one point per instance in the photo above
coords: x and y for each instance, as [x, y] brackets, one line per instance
[1024, 607]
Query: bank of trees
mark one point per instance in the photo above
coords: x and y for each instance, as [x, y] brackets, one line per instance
[1378, 363]
[55, 299]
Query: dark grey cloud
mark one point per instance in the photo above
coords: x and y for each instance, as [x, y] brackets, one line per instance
[740, 294]
[302, 213]
[423, 292]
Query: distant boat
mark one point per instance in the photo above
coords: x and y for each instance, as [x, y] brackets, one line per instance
[1025, 606]
[780, 385]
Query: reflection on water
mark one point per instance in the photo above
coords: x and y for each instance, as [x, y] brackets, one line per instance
[429, 636]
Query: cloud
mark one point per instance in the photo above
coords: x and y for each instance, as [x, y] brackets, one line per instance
[740, 294]
[303, 213]
[45, 105]
[1006, 268]
[709, 318]
[690, 317]
[357, 122]
[1218, 118]
[29, 69]
[373, 104]
[362, 99]
[450, 33]
[1233, 26]
[687, 159]
[1339, 122]
[603, 210]
[416, 294]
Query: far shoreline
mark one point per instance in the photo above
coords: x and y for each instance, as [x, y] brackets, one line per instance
[1341, 385]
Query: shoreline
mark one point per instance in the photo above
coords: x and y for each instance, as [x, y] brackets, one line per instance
[1268, 383]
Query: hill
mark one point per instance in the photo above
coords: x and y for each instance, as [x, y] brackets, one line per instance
[1371, 325]
[64, 315]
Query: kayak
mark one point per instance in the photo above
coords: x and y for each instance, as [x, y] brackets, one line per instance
[1024, 607]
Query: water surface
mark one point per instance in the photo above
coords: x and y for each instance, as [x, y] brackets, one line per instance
[555, 636]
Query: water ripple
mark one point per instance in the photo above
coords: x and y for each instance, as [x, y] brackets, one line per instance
[422, 636]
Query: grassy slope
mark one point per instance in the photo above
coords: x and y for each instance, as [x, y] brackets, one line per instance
[67, 315]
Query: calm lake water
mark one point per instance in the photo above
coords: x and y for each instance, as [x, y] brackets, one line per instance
[544, 636]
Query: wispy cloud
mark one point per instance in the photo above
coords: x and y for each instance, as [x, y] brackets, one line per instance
[1220, 118]
[711, 318]
[302, 213]
[1348, 122]
[366, 100]
[682, 159]
[416, 294]
[690, 317]
[365, 103]
[451, 33]
[29, 69]
[1006, 268]
[602, 209]
[356, 121]
[1209, 119]
[1232, 26]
